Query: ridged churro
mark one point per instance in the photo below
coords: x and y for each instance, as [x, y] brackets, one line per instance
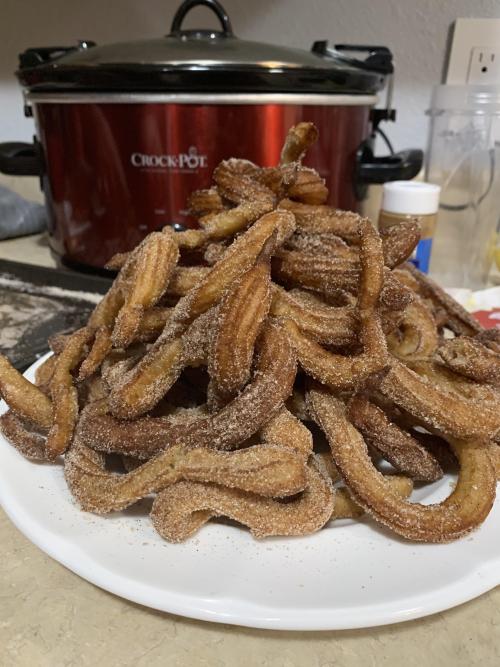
[179, 511]
[242, 312]
[461, 512]
[153, 264]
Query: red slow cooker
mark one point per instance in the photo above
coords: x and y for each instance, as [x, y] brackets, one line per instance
[126, 131]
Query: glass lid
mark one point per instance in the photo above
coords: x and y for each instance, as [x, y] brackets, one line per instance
[204, 60]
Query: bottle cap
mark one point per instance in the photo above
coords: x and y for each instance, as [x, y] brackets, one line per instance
[411, 197]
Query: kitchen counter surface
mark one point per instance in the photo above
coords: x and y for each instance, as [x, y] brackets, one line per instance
[30, 249]
[49, 617]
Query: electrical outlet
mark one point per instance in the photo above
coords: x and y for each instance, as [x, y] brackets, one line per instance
[475, 52]
[484, 66]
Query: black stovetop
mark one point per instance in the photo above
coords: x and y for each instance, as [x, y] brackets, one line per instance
[36, 302]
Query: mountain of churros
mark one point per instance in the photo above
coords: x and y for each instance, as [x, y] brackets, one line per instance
[220, 354]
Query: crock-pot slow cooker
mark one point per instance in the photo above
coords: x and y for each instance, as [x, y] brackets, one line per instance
[126, 131]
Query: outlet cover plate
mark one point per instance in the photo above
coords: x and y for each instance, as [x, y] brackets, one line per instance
[470, 37]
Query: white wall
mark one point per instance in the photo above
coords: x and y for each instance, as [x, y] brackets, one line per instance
[416, 31]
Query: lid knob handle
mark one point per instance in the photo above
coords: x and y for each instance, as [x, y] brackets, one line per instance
[214, 5]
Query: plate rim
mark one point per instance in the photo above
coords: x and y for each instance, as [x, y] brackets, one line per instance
[74, 558]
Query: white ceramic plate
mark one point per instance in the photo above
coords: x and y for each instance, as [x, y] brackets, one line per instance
[349, 575]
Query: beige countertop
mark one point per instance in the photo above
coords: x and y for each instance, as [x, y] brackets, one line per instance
[49, 617]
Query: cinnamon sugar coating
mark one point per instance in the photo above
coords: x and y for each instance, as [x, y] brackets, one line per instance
[216, 348]
[461, 512]
[262, 469]
[397, 446]
[472, 359]
[29, 442]
[180, 510]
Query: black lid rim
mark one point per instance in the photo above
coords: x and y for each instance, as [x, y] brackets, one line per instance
[227, 79]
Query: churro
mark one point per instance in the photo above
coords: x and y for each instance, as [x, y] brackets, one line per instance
[466, 507]
[397, 446]
[180, 510]
[24, 399]
[153, 264]
[262, 469]
[242, 312]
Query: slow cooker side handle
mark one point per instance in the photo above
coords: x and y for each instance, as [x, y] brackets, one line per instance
[18, 158]
[401, 166]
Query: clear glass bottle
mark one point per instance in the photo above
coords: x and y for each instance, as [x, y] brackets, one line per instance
[463, 157]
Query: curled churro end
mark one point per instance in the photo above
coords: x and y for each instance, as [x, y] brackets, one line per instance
[325, 324]
[321, 273]
[117, 261]
[277, 179]
[298, 139]
[464, 510]
[324, 220]
[395, 295]
[190, 238]
[28, 442]
[472, 359]
[399, 241]
[237, 187]
[24, 399]
[181, 510]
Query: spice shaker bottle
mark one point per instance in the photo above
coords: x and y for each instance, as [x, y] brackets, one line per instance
[407, 200]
